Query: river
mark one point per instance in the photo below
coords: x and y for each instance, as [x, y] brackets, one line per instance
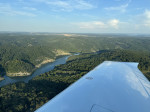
[44, 68]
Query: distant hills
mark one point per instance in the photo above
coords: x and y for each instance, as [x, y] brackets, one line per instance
[22, 52]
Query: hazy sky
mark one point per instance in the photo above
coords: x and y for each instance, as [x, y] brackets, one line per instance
[82, 16]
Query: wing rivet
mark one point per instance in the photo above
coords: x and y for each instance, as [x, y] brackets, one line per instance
[89, 78]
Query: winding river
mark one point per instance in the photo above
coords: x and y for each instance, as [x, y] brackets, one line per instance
[45, 68]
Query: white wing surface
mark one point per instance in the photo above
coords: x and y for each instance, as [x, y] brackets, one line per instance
[110, 87]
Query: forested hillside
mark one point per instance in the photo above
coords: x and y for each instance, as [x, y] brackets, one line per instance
[27, 97]
[23, 52]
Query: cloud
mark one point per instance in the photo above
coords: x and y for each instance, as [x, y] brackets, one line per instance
[139, 23]
[147, 18]
[147, 14]
[6, 9]
[67, 5]
[114, 23]
[82, 5]
[60, 5]
[121, 8]
[91, 25]
[30, 8]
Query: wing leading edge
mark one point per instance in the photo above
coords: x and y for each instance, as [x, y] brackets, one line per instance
[110, 87]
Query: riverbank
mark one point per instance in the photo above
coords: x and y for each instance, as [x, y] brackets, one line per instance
[44, 68]
[59, 53]
[44, 62]
[19, 74]
[1, 78]
[23, 74]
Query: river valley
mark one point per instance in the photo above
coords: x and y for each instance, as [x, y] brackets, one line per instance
[44, 68]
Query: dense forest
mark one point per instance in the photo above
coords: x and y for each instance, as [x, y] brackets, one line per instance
[27, 50]
[27, 97]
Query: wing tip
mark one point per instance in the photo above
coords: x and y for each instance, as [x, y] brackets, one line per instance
[133, 64]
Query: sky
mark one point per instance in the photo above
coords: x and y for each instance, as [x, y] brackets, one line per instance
[75, 16]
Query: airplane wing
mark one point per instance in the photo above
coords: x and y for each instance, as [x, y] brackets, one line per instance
[110, 87]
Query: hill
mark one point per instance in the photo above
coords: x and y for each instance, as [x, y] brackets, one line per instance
[22, 53]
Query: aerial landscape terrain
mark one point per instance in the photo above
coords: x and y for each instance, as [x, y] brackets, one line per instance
[47, 45]
[30, 51]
